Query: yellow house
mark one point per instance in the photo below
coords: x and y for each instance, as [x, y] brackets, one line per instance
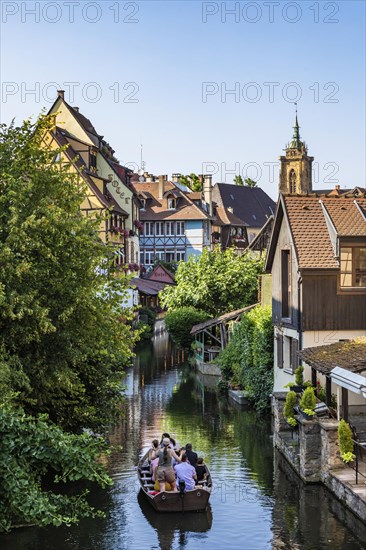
[108, 182]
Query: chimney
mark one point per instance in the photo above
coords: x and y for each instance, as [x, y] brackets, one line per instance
[162, 180]
[207, 192]
[337, 187]
[176, 178]
[61, 94]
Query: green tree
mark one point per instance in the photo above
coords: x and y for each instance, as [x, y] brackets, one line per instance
[192, 181]
[250, 183]
[35, 454]
[238, 180]
[180, 321]
[214, 282]
[64, 333]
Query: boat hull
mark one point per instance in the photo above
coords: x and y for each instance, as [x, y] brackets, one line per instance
[195, 500]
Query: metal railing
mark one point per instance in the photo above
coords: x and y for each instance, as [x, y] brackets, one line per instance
[359, 464]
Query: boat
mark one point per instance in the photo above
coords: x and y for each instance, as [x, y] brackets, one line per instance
[194, 500]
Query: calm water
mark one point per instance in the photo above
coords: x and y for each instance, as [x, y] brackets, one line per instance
[257, 503]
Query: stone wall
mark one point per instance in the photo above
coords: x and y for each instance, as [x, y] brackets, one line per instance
[313, 453]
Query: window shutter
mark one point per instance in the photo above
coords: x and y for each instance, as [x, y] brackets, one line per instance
[294, 350]
[280, 352]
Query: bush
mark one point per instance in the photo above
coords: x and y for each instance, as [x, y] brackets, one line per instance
[247, 360]
[308, 400]
[299, 376]
[146, 322]
[346, 445]
[179, 323]
[290, 403]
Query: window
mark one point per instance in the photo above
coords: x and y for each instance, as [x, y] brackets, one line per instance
[159, 228]
[171, 203]
[149, 257]
[279, 341]
[290, 349]
[93, 162]
[180, 228]
[169, 228]
[285, 282]
[292, 181]
[181, 256]
[159, 255]
[149, 229]
[353, 267]
[170, 256]
[142, 258]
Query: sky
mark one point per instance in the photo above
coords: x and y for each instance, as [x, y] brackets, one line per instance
[205, 87]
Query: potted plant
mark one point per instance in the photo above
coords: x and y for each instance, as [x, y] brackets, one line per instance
[288, 410]
[307, 403]
[345, 440]
[298, 387]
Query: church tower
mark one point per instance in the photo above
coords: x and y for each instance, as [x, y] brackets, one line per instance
[296, 166]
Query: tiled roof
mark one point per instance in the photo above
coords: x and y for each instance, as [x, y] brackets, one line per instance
[225, 217]
[107, 200]
[250, 204]
[346, 217]
[145, 286]
[347, 355]
[157, 209]
[310, 232]
[307, 216]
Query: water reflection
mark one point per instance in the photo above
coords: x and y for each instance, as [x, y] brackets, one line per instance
[257, 501]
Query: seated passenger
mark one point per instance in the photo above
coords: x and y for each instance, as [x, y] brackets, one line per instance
[186, 472]
[191, 455]
[165, 436]
[165, 472]
[154, 448]
[200, 469]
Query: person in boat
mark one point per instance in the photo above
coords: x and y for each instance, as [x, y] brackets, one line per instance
[165, 471]
[153, 461]
[172, 441]
[186, 472]
[200, 469]
[191, 455]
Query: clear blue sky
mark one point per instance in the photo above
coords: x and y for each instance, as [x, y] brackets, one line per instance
[170, 51]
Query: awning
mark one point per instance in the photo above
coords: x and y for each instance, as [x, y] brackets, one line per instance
[349, 380]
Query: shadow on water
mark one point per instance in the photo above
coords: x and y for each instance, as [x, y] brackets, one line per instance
[257, 502]
[175, 526]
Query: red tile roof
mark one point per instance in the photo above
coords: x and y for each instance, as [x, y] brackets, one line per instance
[157, 208]
[311, 219]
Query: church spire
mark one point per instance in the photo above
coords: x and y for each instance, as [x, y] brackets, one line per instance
[296, 165]
[296, 142]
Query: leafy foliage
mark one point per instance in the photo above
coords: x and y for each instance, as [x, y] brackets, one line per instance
[215, 282]
[179, 323]
[238, 180]
[192, 181]
[64, 336]
[308, 400]
[247, 360]
[32, 448]
[346, 445]
[290, 402]
[250, 183]
[299, 375]
[146, 322]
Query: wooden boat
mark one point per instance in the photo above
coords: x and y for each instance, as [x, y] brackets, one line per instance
[174, 501]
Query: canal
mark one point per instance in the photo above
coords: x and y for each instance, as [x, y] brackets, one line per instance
[257, 502]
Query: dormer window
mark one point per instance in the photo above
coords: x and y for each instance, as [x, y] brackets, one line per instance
[353, 267]
[172, 203]
[143, 204]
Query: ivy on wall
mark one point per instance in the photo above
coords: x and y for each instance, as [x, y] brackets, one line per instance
[247, 360]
